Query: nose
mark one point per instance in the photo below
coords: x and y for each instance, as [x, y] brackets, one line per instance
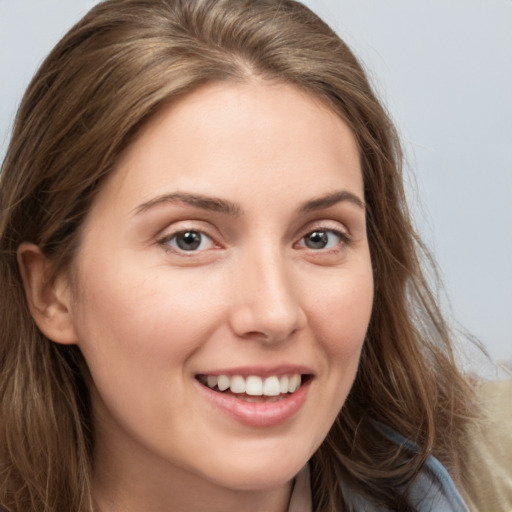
[266, 304]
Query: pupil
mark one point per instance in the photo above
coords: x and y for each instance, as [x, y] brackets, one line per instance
[189, 240]
[317, 240]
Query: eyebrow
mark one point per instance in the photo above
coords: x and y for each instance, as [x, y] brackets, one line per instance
[213, 204]
[330, 200]
[224, 206]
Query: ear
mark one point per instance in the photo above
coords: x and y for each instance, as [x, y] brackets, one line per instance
[49, 298]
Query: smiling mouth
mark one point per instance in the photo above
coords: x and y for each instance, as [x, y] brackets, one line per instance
[254, 388]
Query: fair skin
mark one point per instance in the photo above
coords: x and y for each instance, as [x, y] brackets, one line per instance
[230, 240]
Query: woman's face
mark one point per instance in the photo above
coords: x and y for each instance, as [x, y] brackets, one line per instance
[227, 249]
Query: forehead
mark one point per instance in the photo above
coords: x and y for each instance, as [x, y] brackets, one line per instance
[226, 137]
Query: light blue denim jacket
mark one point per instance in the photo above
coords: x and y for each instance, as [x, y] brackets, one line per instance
[432, 491]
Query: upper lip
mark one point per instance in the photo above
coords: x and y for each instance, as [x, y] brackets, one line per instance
[261, 371]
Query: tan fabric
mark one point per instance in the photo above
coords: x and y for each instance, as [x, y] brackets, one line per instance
[490, 451]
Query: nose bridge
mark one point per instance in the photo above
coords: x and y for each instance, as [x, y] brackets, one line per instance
[267, 304]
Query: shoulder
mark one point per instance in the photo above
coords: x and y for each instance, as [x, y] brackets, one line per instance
[434, 489]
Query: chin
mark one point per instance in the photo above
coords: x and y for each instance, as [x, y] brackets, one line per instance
[257, 472]
[252, 479]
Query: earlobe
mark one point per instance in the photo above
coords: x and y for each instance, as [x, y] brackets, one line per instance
[48, 297]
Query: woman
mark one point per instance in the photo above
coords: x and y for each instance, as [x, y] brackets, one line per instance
[211, 277]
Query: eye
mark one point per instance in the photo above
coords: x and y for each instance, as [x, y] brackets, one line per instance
[322, 239]
[189, 240]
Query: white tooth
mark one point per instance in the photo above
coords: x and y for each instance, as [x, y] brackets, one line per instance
[283, 384]
[211, 381]
[294, 383]
[271, 386]
[254, 386]
[237, 384]
[223, 382]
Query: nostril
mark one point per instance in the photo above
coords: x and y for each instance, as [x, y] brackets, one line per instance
[271, 337]
[270, 326]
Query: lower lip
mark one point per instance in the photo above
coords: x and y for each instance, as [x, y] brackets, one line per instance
[258, 414]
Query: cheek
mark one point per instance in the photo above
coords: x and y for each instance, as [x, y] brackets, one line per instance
[137, 331]
[341, 313]
[137, 317]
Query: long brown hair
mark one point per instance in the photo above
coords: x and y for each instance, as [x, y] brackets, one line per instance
[108, 75]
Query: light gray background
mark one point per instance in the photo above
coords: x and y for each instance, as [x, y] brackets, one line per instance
[444, 70]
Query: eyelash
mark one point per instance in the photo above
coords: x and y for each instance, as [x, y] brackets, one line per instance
[165, 242]
[343, 237]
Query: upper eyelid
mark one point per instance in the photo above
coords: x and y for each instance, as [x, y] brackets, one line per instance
[326, 224]
[171, 234]
[182, 225]
[345, 237]
[171, 231]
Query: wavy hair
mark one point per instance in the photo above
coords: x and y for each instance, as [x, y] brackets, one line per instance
[103, 80]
